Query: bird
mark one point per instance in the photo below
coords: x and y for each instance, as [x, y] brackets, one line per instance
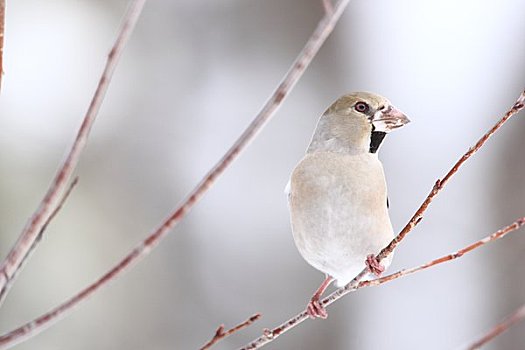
[337, 194]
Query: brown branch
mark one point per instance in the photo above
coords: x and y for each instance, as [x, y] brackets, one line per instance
[416, 219]
[221, 334]
[314, 43]
[27, 239]
[517, 316]
[2, 31]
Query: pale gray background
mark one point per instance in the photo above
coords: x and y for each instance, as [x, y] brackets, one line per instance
[193, 76]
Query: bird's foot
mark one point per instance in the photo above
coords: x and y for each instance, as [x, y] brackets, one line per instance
[315, 309]
[374, 266]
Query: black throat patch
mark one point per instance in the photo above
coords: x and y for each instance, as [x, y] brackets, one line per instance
[375, 140]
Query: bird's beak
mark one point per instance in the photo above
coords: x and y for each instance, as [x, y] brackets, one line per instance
[388, 119]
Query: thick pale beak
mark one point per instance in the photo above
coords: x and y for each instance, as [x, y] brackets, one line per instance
[389, 119]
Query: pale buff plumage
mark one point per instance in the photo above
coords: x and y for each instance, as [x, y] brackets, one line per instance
[337, 193]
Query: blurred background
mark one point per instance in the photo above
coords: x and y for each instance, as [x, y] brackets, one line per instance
[193, 76]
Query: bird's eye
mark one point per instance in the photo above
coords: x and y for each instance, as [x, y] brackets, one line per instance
[361, 107]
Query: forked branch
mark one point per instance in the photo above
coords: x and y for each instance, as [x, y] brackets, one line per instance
[29, 236]
[56, 210]
[458, 254]
[416, 219]
[220, 334]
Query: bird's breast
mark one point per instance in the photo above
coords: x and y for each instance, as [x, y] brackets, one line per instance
[338, 208]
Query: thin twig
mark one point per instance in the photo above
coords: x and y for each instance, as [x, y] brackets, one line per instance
[517, 316]
[29, 235]
[314, 43]
[221, 334]
[2, 31]
[416, 219]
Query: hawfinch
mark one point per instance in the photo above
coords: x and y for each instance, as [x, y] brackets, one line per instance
[337, 193]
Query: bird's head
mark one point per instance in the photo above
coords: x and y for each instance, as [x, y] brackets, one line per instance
[356, 123]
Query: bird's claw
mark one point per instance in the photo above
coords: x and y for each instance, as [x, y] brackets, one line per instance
[315, 309]
[374, 266]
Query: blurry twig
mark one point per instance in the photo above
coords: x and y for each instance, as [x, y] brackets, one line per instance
[2, 31]
[221, 334]
[328, 7]
[416, 219]
[314, 43]
[29, 236]
[517, 316]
